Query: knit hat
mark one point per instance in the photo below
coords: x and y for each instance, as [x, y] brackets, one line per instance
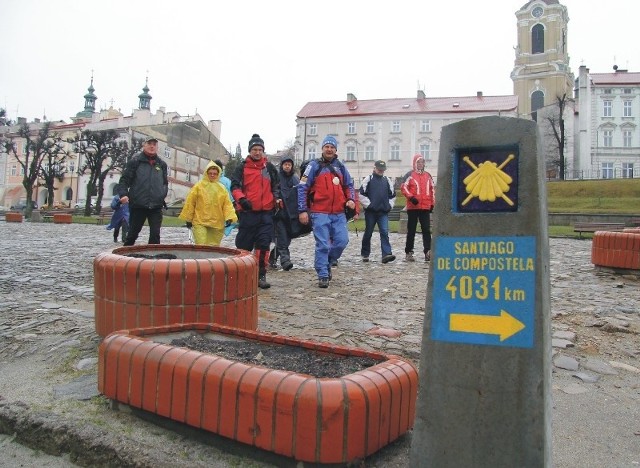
[330, 140]
[381, 165]
[256, 141]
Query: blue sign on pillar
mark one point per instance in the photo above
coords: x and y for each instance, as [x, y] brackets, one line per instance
[484, 290]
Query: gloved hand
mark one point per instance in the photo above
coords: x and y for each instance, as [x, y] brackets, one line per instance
[189, 224]
[227, 223]
[245, 204]
[414, 200]
[279, 203]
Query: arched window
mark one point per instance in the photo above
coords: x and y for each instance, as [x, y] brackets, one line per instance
[69, 195]
[537, 39]
[537, 101]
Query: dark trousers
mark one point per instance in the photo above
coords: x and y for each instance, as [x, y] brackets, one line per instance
[255, 229]
[371, 218]
[125, 229]
[137, 217]
[413, 216]
[283, 241]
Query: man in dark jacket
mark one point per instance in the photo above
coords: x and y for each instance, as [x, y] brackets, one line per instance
[144, 185]
[286, 221]
[377, 197]
[255, 188]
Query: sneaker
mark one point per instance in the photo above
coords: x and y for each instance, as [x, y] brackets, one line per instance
[388, 258]
[334, 263]
[273, 266]
[427, 256]
[323, 283]
[262, 282]
[409, 257]
[286, 266]
[365, 259]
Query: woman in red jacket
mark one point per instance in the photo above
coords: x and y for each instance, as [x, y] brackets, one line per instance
[418, 189]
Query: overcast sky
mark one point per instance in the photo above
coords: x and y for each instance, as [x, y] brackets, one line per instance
[254, 64]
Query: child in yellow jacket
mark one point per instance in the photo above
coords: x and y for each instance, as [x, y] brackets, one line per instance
[208, 209]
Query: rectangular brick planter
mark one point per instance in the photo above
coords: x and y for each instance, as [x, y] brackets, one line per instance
[327, 420]
[62, 218]
[12, 217]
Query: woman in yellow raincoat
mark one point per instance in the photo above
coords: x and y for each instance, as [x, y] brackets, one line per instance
[208, 209]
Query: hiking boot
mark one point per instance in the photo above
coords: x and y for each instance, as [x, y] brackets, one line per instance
[286, 266]
[365, 259]
[409, 257]
[273, 266]
[388, 258]
[330, 276]
[334, 263]
[427, 256]
[323, 283]
[262, 282]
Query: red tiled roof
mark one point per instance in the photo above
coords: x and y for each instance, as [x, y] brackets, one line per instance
[617, 78]
[410, 106]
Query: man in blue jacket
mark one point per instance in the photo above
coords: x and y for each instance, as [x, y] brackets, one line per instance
[377, 197]
[144, 185]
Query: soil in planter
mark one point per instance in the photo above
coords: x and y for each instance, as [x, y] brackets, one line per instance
[274, 356]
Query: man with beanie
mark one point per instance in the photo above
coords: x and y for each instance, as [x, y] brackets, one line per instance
[325, 190]
[255, 187]
[286, 219]
[144, 185]
[418, 189]
[377, 197]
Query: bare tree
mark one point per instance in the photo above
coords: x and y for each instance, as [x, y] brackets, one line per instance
[4, 121]
[36, 145]
[555, 119]
[53, 166]
[103, 152]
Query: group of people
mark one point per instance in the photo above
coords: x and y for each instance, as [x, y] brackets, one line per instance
[274, 205]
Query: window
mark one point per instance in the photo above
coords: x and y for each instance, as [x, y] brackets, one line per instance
[425, 125]
[313, 129]
[626, 90]
[351, 153]
[72, 167]
[370, 127]
[395, 126]
[607, 170]
[188, 177]
[537, 102]
[167, 152]
[187, 160]
[627, 170]
[425, 150]
[607, 138]
[368, 153]
[14, 170]
[606, 91]
[537, 39]
[626, 108]
[394, 152]
[627, 136]
[606, 108]
[311, 153]
[351, 128]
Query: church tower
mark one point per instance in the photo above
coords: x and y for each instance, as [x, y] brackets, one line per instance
[89, 105]
[144, 102]
[541, 73]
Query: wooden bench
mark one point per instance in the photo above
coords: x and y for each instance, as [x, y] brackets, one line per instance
[104, 216]
[634, 222]
[593, 227]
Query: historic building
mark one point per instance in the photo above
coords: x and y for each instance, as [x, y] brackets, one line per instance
[390, 129]
[187, 144]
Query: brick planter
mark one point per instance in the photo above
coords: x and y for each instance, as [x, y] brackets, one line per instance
[617, 250]
[12, 217]
[204, 284]
[62, 218]
[328, 420]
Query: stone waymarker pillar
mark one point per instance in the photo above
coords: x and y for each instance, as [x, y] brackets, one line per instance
[485, 362]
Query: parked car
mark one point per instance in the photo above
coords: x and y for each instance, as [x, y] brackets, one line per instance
[21, 205]
[81, 203]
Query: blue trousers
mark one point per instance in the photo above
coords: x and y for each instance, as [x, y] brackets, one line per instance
[331, 235]
[371, 218]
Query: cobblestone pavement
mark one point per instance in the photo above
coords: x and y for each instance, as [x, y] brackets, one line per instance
[46, 334]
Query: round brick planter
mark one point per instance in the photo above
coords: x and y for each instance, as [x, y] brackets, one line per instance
[617, 250]
[62, 218]
[328, 420]
[203, 284]
[11, 217]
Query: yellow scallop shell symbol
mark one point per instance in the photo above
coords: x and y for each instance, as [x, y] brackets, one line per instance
[488, 181]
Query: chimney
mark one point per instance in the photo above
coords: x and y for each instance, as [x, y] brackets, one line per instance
[351, 97]
[421, 94]
[479, 94]
[36, 120]
[22, 120]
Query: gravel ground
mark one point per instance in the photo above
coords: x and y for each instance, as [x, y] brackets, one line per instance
[48, 348]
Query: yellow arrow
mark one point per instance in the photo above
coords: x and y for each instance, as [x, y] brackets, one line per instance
[505, 325]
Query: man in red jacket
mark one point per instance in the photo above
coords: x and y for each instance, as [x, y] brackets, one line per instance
[255, 187]
[419, 191]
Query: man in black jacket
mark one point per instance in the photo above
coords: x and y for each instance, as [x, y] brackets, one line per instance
[144, 185]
